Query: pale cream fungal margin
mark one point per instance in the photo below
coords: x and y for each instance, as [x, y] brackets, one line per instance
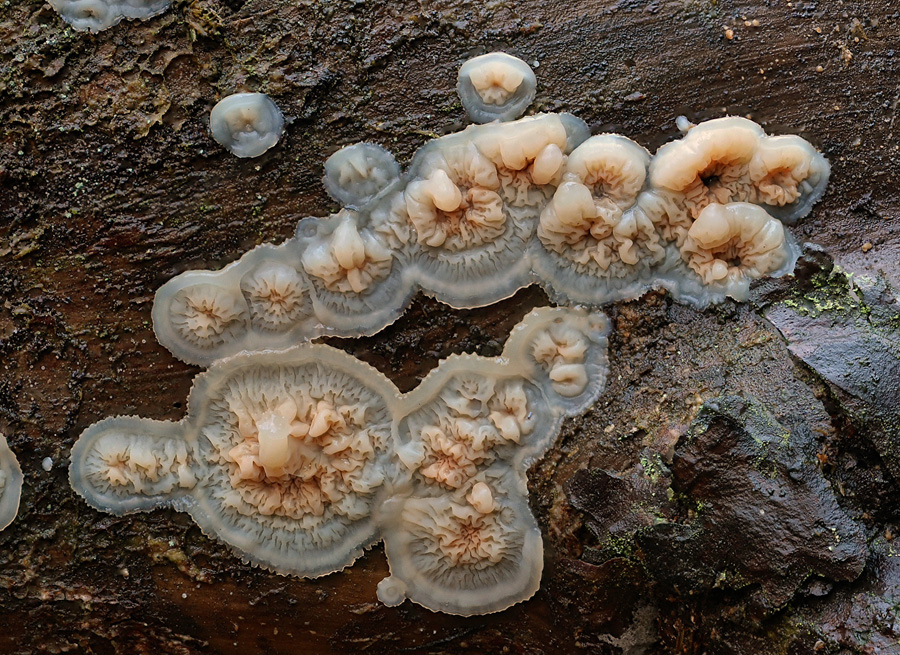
[357, 174]
[301, 459]
[10, 484]
[484, 212]
[247, 124]
[495, 86]
[98, 15]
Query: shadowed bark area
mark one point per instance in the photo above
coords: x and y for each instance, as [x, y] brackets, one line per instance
[110, 184]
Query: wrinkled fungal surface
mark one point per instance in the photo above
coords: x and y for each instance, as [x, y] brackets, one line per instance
[113, 129]
[10, 484]
[97, 15]
[458, 532]
[495, 86]
[489, 210]
[357, 174]
[247, 124]
[301, 459]
[732, 160]
[280, 456]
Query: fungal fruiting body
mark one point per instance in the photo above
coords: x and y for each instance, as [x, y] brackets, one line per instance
[247, 124]
[728, 241]
[484, 212]
[495, 86]
[732, 160]
[457, 529]
[280, 456]
[357, 174]
[301, 459]
[97, 15]
[10, 484]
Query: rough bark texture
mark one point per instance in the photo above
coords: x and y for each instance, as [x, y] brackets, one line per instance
[735, 490]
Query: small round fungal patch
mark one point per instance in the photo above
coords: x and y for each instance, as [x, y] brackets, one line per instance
[205, 315]
[495, 87]
[98, 15]
[357, 174]
[247, 124]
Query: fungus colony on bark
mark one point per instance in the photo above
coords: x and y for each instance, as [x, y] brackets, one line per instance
[300, 459]
[484, 212]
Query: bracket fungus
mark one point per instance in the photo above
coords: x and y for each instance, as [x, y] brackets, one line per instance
[484, 212]
[98, 15]
[301, 459]
[10, 484]
[247, 124]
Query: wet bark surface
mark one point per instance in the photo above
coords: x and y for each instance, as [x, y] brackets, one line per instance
[735, 490]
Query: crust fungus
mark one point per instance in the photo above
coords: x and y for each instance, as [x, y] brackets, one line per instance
[731, 244]
[281, 456]
[98, 15]
[206, 315]
[301, 459]
[247, 124]
[592, 222]
[473, 553]
[456, 205]
[789, 176]
[529, 155]
[495, 86]
[470, 420]
[10, 484]
[357, 174]
[489, 210]
[354, 275]
[346, 260]
[732, 160]
[262, 301]
[275, 295]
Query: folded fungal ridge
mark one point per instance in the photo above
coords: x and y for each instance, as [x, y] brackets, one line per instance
[10, 484]
[496, 207]
[98, 15]
[458, 532]
[301, 459]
